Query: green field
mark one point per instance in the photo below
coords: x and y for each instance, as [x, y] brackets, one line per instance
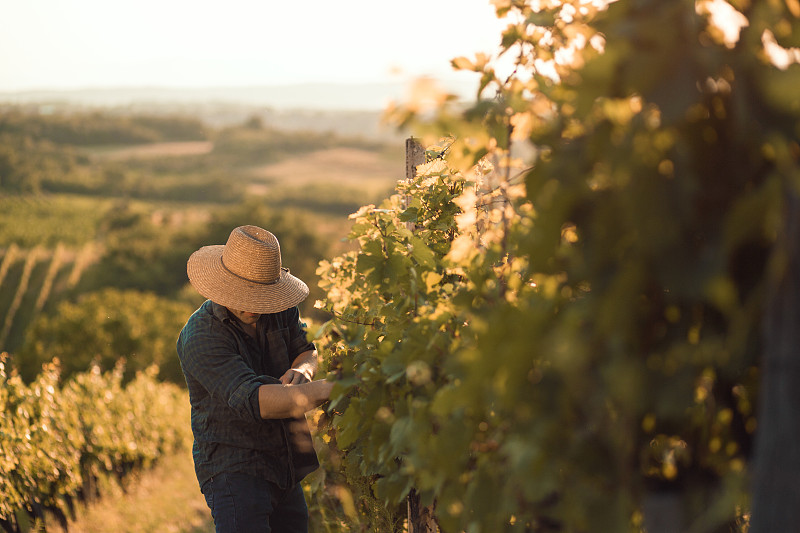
[32, 220]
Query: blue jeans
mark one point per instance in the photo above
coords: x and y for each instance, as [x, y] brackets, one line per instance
[241, 503]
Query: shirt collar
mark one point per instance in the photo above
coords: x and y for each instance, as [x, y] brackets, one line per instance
[226, 317]
[221, 312]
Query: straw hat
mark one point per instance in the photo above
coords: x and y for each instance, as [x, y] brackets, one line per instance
[246, 274]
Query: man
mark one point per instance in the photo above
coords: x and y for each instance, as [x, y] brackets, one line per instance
[249, 370]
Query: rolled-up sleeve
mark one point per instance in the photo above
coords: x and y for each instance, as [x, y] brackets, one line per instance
[223, 373]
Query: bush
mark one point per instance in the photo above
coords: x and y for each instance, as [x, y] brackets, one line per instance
[103, 328]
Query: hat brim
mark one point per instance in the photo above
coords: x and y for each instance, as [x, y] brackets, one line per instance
[212, 280]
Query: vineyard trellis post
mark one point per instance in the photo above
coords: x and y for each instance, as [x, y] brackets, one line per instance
[421, 519]
[415, 156]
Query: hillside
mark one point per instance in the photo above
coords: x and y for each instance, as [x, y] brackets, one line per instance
[97, 200]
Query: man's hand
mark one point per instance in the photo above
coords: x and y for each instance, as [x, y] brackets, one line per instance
[303, 369]
[295, 376]
[279, 401]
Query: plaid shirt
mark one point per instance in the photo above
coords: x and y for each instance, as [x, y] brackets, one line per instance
[224, 367]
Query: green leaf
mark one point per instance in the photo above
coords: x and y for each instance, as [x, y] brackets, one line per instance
[394, 489]
[423, 255]
[349, 424]
[432, 279]
[409, 215]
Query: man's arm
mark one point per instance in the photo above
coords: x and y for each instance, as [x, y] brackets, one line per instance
[297, 393]
[284, 401]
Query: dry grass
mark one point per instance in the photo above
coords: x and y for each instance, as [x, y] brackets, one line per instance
[331, 175]
[371, 172]
[164, 499]
[164, 149]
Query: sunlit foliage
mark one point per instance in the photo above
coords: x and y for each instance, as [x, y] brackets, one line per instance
[571, 330]
[60, 441]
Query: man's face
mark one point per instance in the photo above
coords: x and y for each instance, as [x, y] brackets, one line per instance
[244, 316]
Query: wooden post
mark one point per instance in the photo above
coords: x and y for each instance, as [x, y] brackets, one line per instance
[415, 155]
[421, 519]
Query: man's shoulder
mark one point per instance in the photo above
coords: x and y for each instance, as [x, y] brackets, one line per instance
[204, 318]
[204, 333]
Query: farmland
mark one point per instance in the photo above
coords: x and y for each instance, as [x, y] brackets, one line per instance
[93, 201]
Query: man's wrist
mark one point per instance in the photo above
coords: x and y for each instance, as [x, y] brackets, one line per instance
[307, 370]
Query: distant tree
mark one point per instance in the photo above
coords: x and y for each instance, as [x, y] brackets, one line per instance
[173, 127]
[104, 327]
[255, 122]
[10, 179]
[100, 128]
[140, 253]
[146, 253]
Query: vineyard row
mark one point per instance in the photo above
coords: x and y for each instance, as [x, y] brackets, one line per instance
[60, 442]
[28, 280]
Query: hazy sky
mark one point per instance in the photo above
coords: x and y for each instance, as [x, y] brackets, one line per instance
[66, 44]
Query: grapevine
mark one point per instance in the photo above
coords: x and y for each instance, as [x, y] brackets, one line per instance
[9, 257]
[30, 262]
[58, 440]
[47, 284]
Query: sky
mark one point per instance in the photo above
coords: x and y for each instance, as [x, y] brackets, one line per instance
[79, 44]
